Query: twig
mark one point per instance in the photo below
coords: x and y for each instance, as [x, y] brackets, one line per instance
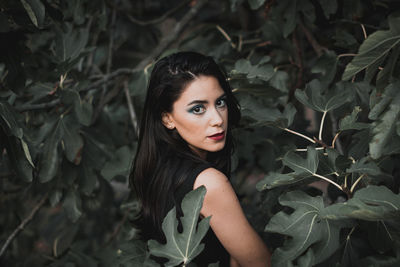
[118, 228]
[107, 98]
[227, 37]
[132, 112]
[356, 182]
[364, 31]
[322, 125]
[328, 180]
[334, 139]
[347, 55]
[305, 149]
[299, 64]
[299, 134]
[111, 42]
[351, 231]
[168, 39]
[38, 106]
[23, 224]
[315, 45]
[157, 20]
[335, 130]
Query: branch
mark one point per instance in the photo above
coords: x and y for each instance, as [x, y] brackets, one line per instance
[104, 100]
[38, 106]
[168, 39]
[132, 113]
[347, 55]
[356, 182]
[227, 37]
[111, 42]
[322, 125]
[315, 45]
[328, 180]
[157, 20]
[118, 228]
[364, 31]
[335, 130]
[299, 134]
[305, 149]
[23, 224]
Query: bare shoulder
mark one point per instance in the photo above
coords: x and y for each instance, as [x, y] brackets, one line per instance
[212, 179]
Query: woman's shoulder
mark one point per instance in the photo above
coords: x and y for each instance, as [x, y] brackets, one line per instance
[211, 178]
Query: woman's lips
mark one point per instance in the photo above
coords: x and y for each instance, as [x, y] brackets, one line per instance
[218, 136]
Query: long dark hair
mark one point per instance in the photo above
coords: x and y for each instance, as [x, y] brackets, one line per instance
[160, 150]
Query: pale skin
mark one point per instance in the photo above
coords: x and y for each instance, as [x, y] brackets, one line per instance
[198, 114]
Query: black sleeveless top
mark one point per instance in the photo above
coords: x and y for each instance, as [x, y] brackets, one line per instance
[213, 250]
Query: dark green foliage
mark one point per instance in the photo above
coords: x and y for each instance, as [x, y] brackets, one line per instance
[318, 84]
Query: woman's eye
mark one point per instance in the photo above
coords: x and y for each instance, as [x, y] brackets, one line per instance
[198, 109]
[221, 103]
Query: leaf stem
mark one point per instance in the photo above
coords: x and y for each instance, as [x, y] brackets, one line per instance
[322, 125]
[347, 55]
[364, 31]
[328, 180]
[305, 149]
[23, 224]
[356, 182]
[227, 37]
[299, 134]
[334, 139]
[351, 231]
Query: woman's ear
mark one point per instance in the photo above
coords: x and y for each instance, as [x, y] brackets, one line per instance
[167, 120]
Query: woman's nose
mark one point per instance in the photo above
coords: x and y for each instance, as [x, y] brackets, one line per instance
[216, 118]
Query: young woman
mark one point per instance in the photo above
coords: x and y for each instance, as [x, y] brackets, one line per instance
[185, 142]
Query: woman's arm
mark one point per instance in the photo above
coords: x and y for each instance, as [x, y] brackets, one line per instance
[229, 222]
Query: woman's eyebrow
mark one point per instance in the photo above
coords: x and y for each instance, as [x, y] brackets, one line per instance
[204, 101]
[198, 102]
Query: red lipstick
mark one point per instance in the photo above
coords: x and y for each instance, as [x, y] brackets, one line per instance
[218, 136]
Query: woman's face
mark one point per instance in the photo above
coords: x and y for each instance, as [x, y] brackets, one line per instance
[200, 115]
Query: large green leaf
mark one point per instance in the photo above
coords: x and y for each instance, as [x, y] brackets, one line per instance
[350, 121]
[383, 129]
[255, 4]
[372, 50]
[35, 10]
[120, 164]
[183, 247]
[385, 76]
[300, 165]
[88, 178]
[50, 159]
[72, 205]
[22, 166]
[303, 168]
[8, 120]
[72, 140]
[372, 203]
[263, 114]
[70, 43]
[83, 110]
[261, 71]
[315, 97]
[274, 179]
[131, 253]
[362, 166]
[329, 7]
[306, 228]
[326, 66]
